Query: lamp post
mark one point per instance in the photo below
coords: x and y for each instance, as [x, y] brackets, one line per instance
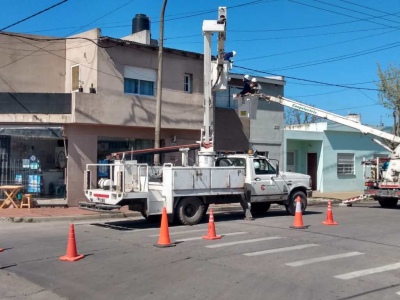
[159, 85]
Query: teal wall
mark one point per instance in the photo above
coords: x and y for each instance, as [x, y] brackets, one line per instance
[327, 145]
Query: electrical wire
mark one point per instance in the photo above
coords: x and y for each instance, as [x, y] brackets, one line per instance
[34, 15]
[308, 80]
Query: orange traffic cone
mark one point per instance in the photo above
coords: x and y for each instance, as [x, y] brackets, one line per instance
[1, 250]
[211, 235]
[329, 216]
[298, 217]
[163, 240]
[72, 254]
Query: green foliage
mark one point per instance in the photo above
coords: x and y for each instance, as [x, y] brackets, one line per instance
[389, 95]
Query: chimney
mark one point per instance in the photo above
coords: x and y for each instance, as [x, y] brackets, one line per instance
[141, 30]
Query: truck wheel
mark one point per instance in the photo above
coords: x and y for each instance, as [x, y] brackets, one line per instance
[388, 202]
[291, 207]
[259, 208]
[190, 210]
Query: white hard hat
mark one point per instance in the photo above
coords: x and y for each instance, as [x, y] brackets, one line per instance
[256, 165]
[233, 53]
[246, 77]
[254, 80]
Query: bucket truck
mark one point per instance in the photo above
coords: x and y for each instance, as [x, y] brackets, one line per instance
[382, 181]
[186, 191]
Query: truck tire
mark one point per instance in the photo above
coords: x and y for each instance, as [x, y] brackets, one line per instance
[190, 210]
[259, 208]
[291, 207]
[388, 202]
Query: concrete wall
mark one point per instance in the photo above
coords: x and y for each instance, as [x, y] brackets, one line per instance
[112, 62]
[132, 110]
[30, 66]
[84, 53]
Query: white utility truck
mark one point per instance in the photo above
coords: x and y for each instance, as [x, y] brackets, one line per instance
[186, 191]
[382, 182]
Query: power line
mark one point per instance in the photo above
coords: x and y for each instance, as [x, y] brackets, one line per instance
[34, 15]
[313, 48]
[339, 58]
[366, 7]
[349, 9]
[338, 13]
[308, 80]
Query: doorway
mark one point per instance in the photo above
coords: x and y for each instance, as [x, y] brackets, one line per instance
[312, 165]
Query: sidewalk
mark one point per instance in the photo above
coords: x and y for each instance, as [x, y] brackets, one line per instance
[45, 214]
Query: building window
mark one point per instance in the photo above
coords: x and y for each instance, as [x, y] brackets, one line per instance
[187, 85]
[136, 86]
[140, 81]
[75, 78]
[345, 164]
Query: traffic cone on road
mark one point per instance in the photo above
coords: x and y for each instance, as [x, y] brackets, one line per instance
[298, 217]
[1, 250]
[72, 254]
[163, 240]
[211, 235]
[329, 216]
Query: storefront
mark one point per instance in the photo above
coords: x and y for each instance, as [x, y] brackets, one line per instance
[35, 158]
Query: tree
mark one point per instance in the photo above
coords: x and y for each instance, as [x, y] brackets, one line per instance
[294, 117]
[389, 94]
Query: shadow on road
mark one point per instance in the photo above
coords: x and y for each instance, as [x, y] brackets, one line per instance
[131, 225]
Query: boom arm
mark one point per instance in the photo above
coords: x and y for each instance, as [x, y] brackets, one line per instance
[332, 117]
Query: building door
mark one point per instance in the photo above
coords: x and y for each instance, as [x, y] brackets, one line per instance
[312, 169]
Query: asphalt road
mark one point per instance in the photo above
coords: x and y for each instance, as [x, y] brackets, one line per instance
[260, 259]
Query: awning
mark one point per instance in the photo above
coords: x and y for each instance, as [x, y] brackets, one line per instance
[35, 132]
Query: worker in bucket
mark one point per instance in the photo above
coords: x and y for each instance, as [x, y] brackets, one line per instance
[255, 86]
[246, 87]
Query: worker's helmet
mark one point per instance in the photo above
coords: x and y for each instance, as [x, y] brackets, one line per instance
[233, 53]
[256, 165]
[246, 77]
[254, 80]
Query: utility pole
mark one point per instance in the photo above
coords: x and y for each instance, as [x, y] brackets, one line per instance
[159, 85]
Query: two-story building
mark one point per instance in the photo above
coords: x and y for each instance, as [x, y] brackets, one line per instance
[66, 102]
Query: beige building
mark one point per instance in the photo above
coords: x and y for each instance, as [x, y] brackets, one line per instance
[69, 102]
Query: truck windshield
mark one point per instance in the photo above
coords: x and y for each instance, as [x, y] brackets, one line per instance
[262, 166]
[231, 161]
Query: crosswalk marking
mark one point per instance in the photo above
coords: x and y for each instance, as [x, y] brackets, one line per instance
[183, 232]
[280, 249]
[368, 271]
[244, 242]
[324, 258]
[199, 238]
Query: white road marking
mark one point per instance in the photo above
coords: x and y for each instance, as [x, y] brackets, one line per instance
[199, 238]
[324, 258]
[244, 242]
[398, 293]
[280, 249]
[368, 271]
[183, 232]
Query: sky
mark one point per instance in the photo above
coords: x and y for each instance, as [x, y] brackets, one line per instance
[327, 50]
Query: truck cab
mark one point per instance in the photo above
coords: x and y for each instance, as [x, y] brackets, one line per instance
[266, 184]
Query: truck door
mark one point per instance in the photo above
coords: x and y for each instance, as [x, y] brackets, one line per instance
[266, 184]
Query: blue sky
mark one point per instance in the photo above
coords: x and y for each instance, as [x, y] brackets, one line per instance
[337, 42]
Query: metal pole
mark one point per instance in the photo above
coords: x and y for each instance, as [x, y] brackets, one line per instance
[159, 85]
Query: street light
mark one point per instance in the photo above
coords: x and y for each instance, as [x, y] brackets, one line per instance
[159, 86]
